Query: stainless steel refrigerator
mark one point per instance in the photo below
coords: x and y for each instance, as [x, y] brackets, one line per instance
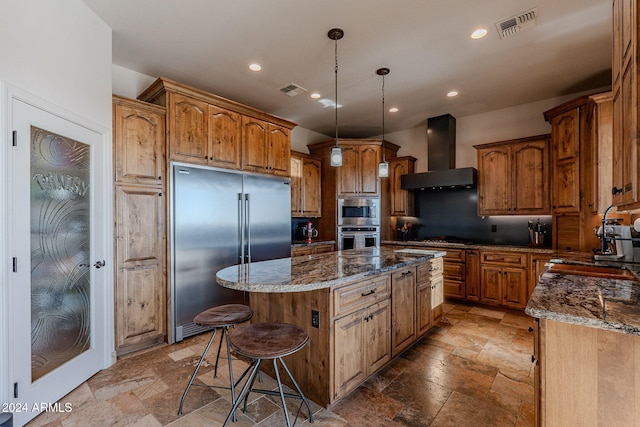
[221, 218]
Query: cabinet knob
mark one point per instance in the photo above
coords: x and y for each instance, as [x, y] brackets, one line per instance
[530, 329]
[616, 190]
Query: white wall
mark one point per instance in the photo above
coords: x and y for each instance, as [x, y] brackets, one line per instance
[59, 51]
[499, 125]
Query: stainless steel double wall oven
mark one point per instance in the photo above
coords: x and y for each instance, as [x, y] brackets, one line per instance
[358, 223]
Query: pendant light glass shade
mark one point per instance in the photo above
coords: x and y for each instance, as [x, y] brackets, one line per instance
[383, 166]
[336, 34]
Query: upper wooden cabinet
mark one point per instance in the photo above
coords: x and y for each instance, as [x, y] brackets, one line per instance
[580, 132]
[358, 175]
[306, 192]
[513, 177]
[265, 147]
[402, 201]
[626, 123]
[206, 129]
[138, 136]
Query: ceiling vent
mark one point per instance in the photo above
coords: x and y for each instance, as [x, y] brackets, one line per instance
[292, 89]
[517, 23]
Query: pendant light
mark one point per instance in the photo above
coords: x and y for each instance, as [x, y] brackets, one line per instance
[336, 34]
[383, 166]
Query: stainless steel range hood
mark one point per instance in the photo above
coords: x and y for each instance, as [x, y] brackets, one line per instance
[441, 155]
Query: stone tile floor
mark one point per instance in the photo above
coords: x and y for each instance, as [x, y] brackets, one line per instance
[472, 369]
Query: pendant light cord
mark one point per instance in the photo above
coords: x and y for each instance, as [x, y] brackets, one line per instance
[336, 88]
[383, 150]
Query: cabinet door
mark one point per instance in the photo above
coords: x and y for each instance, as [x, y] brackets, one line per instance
[536, 267]
[139, 287]
[403, 300]
[472, 275]
[296, 186]
[348, 173]
[514, 287]
[423, 308]
[349, 368]
[565, 139]
[368, 170]
[378, 336]
[530, 165]
[566, 187]
[311, 188]
[224, 138]
[188, 120]
[494, 181]
[278, 153]
[490, 284]
[402, 201]
[138, 134]
[254, 144]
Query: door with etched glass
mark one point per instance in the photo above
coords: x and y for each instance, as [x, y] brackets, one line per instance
[57, 241]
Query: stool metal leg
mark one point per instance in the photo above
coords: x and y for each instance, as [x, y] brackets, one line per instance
[244, 392]
[284, 402]
[195, 372]
[302, 396]
[215, 369]
[231, 383]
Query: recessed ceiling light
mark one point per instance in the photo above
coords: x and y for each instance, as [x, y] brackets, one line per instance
[255, 67]
[479, 33]
[315, 95]
[452, 94]
[393, 110]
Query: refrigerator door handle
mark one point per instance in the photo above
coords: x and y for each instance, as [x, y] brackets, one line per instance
[247, 221]
[241, 229]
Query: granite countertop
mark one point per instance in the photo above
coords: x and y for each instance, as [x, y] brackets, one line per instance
[478, 246]
[319, 271]
[603, 303]
[303, 243]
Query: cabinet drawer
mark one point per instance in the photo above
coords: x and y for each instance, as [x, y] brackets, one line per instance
[359, 295]
[509, 258]
[454, 271]
[454, 255]
[427, 270]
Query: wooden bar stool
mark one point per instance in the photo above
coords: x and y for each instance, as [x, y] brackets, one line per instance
[264, 341]
[220, 317]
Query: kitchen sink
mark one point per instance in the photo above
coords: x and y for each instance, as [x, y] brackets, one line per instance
[593, 271]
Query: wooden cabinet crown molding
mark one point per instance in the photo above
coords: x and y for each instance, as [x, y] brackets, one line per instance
[353, 141]
[156, 93]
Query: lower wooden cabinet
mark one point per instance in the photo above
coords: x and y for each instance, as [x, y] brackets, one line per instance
[140, 264]
[503, 279]
[472, 275]
[585, 376]
[403, 310]
[362, 341]
[312, 249]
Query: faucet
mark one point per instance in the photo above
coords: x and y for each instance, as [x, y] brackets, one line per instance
[605, 247]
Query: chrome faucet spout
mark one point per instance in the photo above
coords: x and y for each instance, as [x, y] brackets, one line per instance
[605, 247]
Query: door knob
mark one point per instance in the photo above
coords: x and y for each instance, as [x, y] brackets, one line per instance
[99, 264]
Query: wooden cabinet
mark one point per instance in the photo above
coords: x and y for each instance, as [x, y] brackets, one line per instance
[536, 267]
[625, 86]
[362, 345]
[265, 147]
[503, 279]
[403, 309]
[358, 175]
[454, 273]
[139, 212]
[138, 142]
[601, 120]
[306, 194]
[319, 248]
[578, 127]
[513, 177]
[472, 275]
[402, 201]
[585, 376]
[206, 129]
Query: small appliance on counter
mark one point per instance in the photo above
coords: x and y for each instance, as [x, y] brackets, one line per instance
[309, 232]
[537, 233]
[621, 242]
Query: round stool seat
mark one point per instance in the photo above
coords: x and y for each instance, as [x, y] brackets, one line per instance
[268, 340]
[224, 315]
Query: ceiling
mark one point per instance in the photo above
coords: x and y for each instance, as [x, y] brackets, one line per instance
[425, 43]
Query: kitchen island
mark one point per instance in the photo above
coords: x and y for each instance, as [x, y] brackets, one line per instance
[360, 307]
[587, 343]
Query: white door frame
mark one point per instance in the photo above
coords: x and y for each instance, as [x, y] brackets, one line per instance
[106, 320]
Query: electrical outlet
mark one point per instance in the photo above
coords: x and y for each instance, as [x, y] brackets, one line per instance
[494, 228]
[315, 319]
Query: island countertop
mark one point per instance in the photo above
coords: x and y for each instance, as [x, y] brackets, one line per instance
[305, 273]
[603, 303]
